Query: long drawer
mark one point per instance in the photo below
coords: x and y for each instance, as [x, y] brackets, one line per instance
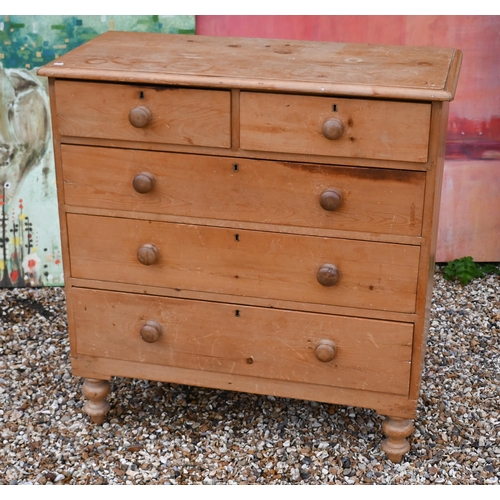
[161, 114]
[265, 343]
[244, 263]
[330, 126]
[294, 194]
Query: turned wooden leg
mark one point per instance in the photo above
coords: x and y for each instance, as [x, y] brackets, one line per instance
[397, 430]
[96, 406]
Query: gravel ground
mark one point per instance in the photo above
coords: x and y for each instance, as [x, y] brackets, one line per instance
[173, 434]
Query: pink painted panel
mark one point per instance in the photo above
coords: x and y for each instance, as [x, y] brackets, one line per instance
[474, 124]
[355, 29]
[469, 223]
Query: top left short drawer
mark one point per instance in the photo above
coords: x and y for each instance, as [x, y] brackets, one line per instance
[155, 114]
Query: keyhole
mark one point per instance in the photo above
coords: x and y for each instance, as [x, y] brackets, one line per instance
[141, 95]
[236, 167]
[237, 313]
[237, 237]
[334, 108]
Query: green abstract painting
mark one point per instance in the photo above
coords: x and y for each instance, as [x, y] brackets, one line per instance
[29, 231]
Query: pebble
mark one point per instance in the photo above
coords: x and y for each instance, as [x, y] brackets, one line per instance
[174, 434]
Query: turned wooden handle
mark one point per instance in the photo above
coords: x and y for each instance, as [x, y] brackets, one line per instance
[140, 116]
[151, 331]
[333, 128]
[330, 199]
[148, 254]
[328, 275]
[144, 182]
[325, 350]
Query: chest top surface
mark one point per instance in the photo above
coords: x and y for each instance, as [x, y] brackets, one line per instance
[401, 72]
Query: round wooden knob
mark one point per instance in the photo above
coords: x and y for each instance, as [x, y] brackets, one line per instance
[328, 275]
[333, 128]
[140, 116]
[148, 254]
[325, 351]
[330, 199]
[151, 331]
[144, 182]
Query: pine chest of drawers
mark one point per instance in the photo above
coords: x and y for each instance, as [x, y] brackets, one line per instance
[251, 215]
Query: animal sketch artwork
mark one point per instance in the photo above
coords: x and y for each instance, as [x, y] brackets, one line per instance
[30, 240]
[25, 140]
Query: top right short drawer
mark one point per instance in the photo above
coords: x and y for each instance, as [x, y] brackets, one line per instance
[337, 127]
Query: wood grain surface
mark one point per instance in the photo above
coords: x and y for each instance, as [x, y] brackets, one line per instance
[179, 116]
[372, 128]
[236, 189]
[250, 263]
[371, 355]
[423, 73]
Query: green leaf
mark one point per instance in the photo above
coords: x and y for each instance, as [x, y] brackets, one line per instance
[465, 270]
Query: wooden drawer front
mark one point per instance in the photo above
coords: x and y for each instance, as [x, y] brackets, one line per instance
[265, 343]
[384, 130]
[249, 263]
[373, 200]
[178, 116]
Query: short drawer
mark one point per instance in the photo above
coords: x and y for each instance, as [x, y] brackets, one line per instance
[370, 199]
[363, 354]
[160, 114]
[354, 128]
[244, 263]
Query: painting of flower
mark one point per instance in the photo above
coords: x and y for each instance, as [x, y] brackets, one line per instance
[29, 225]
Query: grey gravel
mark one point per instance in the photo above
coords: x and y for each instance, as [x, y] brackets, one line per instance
[173, 434]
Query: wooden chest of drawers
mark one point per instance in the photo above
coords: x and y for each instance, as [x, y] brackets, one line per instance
[251, 215]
